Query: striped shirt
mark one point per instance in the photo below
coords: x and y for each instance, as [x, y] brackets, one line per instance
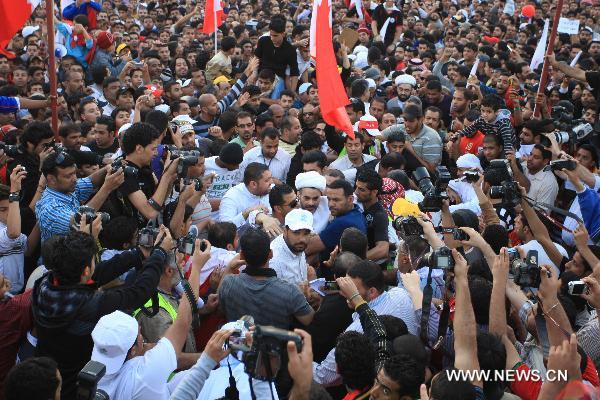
[201, 127]
[501, 127]
[54, 210]
[427, 145]
[395, 302]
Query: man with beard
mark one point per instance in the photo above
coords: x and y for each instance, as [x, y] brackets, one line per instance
[405, 85]
[311, 187]
[289, 260]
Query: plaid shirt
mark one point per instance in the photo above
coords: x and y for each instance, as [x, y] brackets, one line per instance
[54, 210]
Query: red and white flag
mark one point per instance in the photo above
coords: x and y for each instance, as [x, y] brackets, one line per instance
[13, 15]
[213, 16]
[332, 95]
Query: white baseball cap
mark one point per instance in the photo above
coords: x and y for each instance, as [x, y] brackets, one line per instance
[123, 128]
[304, 87]
[311, 179]
[370, 124]
[113, 336]
[371, 82]
[28, 30]
[184, 118]
[299, 219]
[163, 107]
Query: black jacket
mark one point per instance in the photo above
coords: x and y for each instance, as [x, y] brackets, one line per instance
[66, 315]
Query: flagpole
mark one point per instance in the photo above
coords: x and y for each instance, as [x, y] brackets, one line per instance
[216, 27]
[52, 66]
[550, 50]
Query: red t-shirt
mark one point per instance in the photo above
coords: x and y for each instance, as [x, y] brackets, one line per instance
[471, 145]
[16, 319]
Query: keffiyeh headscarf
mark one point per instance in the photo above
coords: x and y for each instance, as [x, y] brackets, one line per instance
[390, 191]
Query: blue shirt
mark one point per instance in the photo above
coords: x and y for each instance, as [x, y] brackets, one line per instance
[54, 209]
[79, 52]
[330, 236]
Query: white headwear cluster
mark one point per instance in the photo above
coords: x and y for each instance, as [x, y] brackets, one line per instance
[311, 179]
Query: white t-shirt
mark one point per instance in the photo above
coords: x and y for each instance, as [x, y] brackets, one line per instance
[12, 253]
[143, 377]
[321, 215]
[543, 258]
[223, 181]
[290, 267]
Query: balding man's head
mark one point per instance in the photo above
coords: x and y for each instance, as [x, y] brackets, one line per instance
[343, 262]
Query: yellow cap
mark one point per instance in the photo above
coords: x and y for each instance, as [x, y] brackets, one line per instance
[121, 47]
[219, 79]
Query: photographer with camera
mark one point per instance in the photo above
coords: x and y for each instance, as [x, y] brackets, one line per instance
[543, 187]
[66, 302]
[132, 370]
[139, 195]
[36, 143]
[370, 284]
[65, 193]
[13, 242]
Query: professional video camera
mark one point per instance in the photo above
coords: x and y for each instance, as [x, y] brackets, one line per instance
[90, 215]
[10, 150]
[441, 259]
[562, 118]
[147, 235]
[128, 170]
[87, 382]
[570, 130]
[527, 272]
[434, 194]
[263, 359]
[507, 190]
[187, 158]
[408, 226]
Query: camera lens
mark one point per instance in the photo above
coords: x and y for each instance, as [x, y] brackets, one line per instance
[561, 137]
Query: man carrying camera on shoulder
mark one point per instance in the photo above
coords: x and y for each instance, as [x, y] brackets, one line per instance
[131, 371]
[140, 195]
[65, 193]
[67, 304]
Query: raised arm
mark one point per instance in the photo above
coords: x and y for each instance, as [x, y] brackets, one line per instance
[465, 329]
[573, 72]
[557, 322]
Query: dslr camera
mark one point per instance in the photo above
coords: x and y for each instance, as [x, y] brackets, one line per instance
[90, 215]
[187, 158]
[471, 176]
[198, 184]
[558, 165]
[187, 244]
[147, 235]
[527, 272]
[128, 170]
[508, 189]
[87, 382]
[434, 194]
[11, 150]
[441, 259]
[263, 360]
[408, 226]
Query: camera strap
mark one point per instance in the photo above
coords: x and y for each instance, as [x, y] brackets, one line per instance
[426, 309]
[151, 312]
[231, 392]
[191, 298]
[542, 206]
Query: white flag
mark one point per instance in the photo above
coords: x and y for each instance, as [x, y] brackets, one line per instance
[574, 62]
[540, 50]
[359, 9]
[509, 7]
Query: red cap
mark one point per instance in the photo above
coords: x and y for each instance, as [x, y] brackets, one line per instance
[156, 91]
[363, 30]
[491, 39]
[105, 39]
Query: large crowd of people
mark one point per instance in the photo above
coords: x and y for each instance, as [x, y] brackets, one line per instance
[196, 228]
